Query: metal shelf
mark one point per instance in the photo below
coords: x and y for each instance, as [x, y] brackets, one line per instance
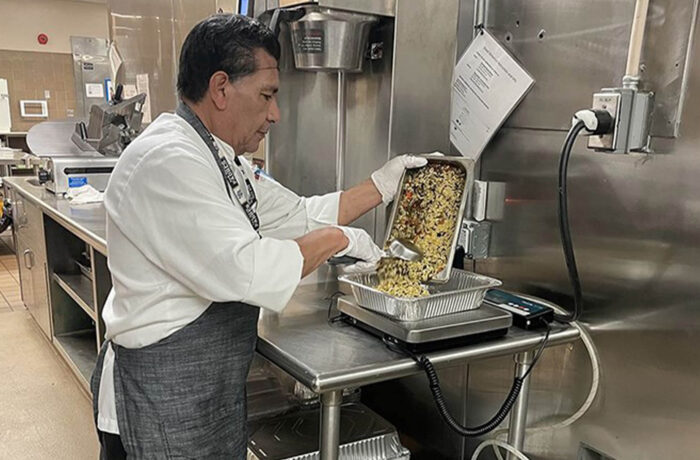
[79, 288]
[79, 349]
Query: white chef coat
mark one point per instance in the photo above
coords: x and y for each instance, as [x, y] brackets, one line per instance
[177, 242]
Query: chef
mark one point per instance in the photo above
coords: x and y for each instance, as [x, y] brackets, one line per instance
[198, 242]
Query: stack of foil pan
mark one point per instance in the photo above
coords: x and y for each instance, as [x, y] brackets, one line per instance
[364, 435]
[463, 291]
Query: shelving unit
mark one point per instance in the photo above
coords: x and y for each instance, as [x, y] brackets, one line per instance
[64, 274]
[78, 349]
[79, 288]
[77, 328]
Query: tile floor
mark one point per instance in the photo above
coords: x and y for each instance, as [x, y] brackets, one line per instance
[43, 412]
[10, 297]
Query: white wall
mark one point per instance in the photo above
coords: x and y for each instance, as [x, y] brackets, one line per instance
[21, 21]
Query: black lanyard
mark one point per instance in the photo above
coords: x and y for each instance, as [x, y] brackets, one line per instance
[249, 203]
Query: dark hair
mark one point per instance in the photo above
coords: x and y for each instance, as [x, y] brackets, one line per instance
[225, 42]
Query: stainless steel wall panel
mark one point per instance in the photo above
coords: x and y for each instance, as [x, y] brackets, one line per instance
[301, 147]
[90, 65]
[398, 104]
[149, 36]
[636, 229]
[382, 7]
[664, 60]
[424, 56]
[143, 33]
[573, 50]
[570, 48]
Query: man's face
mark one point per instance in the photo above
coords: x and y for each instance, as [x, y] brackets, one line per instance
[251, 105]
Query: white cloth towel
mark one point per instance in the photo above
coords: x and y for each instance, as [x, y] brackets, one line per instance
[84, 194]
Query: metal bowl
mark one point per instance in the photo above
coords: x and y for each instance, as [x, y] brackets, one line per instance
[330, 40]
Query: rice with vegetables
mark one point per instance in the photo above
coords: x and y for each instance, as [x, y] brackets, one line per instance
[427, 217]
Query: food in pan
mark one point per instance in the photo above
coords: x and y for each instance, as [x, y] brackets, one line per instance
[426, 216]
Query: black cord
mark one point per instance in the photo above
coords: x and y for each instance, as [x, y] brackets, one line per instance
[540, 350]
[439, 398]
[564, 229]
[332, 299]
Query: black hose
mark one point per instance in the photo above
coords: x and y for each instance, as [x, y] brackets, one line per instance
[564, 229]
[497, 419]
[450, 420]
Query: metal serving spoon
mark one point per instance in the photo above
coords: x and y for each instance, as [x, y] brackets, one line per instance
[398, 249]
[405, 250]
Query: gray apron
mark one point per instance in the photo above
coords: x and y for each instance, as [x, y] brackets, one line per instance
[184, 396]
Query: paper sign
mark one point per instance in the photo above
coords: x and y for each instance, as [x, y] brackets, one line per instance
[142, 87]
[115, 60]
[94, 90]
[487, 85]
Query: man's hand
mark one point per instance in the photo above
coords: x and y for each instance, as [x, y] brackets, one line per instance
[387, 178]
[360, 245]
[380, 188]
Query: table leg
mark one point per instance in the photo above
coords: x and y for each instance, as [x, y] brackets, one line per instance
[518, 415]
[330, 424]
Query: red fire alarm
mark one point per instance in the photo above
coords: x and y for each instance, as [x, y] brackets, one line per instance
[42, 39]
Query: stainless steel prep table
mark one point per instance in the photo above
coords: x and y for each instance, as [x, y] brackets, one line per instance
[86, 221]
[325, 358]
[62, 258]
[328, 358]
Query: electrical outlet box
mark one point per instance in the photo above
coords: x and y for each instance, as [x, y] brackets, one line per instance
[631, 111]
[640, 122]
[611, 103]
[488, 200]
[475, 238]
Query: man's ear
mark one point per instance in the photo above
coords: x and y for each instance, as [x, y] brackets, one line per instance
[218, 84]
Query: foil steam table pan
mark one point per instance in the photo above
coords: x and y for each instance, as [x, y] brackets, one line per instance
[364, 435]
[463, 291]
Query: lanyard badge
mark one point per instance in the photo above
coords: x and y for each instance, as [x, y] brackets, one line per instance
[233, 186]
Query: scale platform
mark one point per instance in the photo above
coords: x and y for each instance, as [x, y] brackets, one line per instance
[447, 331]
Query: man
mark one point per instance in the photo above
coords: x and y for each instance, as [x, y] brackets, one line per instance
[197, 243]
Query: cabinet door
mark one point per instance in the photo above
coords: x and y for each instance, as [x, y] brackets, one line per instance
[19, 216]
[34, 285]
[40, 295]
[34, 229]
[24, 256]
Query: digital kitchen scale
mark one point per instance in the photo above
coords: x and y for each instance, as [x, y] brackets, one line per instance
[447, 331]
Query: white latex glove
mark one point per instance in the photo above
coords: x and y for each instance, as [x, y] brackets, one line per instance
[387, 178]
[360, 267]
[360, 246]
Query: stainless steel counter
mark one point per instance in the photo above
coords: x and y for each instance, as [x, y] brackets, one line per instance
[87, 221]
[327, 358]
